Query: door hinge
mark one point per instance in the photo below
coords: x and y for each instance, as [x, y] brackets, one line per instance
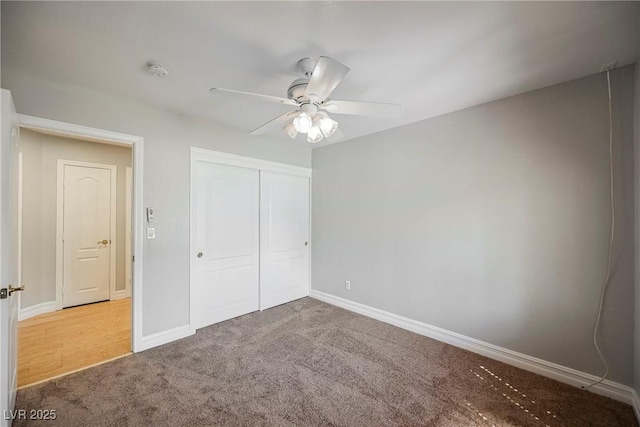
[133, 258]
[4, 293]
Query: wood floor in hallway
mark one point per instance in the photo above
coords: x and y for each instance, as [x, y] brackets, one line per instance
[64, 341]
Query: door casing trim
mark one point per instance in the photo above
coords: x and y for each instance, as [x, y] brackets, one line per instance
[85, 133]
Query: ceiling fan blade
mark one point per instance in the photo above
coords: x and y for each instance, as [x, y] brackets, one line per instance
[327, 74]
[278, 122]
[237, 93]
[358, 108]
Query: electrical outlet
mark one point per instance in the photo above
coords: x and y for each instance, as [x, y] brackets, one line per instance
[347, 284]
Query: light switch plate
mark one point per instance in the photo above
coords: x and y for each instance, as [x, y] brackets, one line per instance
[151, 233]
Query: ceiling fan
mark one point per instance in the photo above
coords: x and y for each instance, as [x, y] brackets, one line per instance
[311, 97]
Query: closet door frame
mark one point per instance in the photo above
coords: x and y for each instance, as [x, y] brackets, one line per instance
[217, 157]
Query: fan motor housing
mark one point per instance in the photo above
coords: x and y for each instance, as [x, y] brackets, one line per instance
[297, 89]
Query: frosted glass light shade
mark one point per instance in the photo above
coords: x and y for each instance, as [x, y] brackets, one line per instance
[290, 130]
[302, 122]
[314, 135]
[326, 124]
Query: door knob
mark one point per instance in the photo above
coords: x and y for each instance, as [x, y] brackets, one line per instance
[103, 242]
[306, 243]
[16, 289]
[199, 254]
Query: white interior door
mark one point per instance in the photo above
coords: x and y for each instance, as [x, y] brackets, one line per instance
[284, 238]
[87, 227]
[226, 263]
[9, 139]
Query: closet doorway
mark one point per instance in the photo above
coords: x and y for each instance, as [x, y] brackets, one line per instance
[249, 235]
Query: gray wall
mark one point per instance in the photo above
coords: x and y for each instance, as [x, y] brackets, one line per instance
[168, 137]
[40, 159]
[492, 222]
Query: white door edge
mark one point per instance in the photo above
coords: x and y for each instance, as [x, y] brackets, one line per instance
[20, 170]
[9, 201]
[128, 236]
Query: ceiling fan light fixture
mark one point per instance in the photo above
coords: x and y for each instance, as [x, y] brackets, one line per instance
[303, 122]
[327, 125]
[314, 135]
[290, 130]
[309, 95]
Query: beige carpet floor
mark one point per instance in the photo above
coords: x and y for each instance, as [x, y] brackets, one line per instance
[307, 363]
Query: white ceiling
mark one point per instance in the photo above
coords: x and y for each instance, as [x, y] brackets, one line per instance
[432, 57]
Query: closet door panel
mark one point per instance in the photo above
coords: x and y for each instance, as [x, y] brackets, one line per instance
[227, 242]
[284, 238]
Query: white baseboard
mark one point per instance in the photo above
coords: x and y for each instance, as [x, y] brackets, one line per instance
[164, 337]
[34, 310]
[636, 405]
[551, 370]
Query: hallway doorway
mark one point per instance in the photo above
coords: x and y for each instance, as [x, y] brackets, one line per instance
[76, 309]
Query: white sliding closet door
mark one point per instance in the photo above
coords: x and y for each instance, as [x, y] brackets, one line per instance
[284, 238]
[226, 237]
